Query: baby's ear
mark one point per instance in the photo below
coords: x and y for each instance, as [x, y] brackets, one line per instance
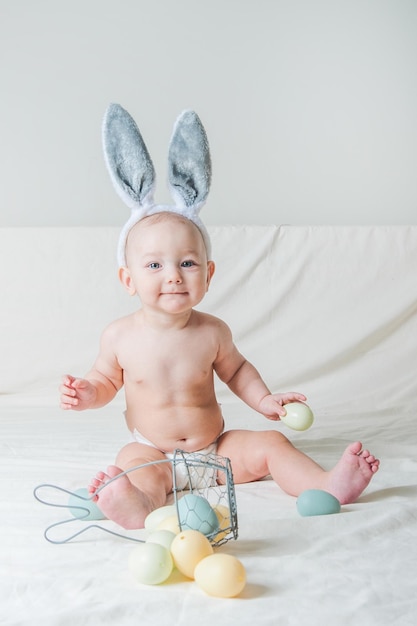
[210, 271]
[126, 280]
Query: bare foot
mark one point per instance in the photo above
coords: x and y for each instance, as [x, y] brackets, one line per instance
[352, 473]
[119, 500]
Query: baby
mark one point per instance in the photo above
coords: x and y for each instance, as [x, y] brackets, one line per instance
[165, 354]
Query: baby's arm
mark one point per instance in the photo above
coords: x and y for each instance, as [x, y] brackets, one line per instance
[101, 383]
[246, 382]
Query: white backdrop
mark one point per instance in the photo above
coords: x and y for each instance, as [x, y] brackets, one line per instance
[310, 106]
[328, 311]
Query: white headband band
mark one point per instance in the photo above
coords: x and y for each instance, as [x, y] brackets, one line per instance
[133, 175]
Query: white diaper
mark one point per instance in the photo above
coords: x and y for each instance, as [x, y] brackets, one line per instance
[187, 473]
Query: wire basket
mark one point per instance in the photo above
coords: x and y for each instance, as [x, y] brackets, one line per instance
[207, 478]
[210, 478]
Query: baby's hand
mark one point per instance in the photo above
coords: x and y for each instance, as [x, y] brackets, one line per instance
[272, 406]
[76, 393]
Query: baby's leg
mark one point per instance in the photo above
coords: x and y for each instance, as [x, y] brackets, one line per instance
[255, 455]
[129, 499]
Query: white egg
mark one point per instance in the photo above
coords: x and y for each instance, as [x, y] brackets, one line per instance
[163, 537]
[150, 563]
[299, 416]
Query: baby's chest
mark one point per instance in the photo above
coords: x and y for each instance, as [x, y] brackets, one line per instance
[183, 362]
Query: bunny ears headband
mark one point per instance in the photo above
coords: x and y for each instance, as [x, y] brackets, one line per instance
[133, 175]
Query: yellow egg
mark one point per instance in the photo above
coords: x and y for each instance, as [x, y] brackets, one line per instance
[169, 523]
[220, 575]
[223, 515]
[188, 548]
[154, 518]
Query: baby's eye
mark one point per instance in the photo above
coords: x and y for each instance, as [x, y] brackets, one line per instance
[187, 263]
[154, 266]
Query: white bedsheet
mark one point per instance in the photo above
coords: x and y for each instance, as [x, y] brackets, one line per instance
[329, 311]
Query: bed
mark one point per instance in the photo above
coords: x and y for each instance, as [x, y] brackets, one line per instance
[329, 311]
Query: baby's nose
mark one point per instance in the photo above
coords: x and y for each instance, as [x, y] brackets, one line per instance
[174, 276]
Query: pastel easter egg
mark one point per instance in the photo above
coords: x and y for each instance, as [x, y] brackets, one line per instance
[170, 523]
[223, 515]
[196, 513]
[317, 502]
[154, 518]
[189, 548]
[150, 563]
[82, 507]
[163, 537]
[299, 416]
[220, 575]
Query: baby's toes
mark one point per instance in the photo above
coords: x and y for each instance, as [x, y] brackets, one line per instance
[370, 459]
[375, 465]
[96, 482]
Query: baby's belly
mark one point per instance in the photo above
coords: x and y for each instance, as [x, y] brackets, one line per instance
[187, 430]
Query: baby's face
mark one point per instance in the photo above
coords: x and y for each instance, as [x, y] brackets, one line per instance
[167, 264]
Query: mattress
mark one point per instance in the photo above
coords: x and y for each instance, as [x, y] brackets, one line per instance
[357, 564]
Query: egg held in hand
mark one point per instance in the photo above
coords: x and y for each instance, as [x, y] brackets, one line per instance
[299, 416]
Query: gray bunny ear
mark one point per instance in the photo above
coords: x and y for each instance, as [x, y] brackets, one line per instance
[127, 158]
[189, 163]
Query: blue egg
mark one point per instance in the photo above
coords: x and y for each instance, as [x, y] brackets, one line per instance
[317, 502]
[82, 507]
[196, 513]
